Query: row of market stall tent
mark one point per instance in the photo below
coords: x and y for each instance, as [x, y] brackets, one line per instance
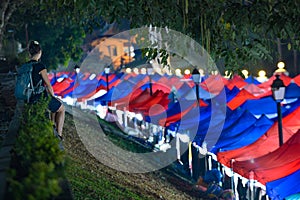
[240, 112]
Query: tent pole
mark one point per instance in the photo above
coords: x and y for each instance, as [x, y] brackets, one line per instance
[232, 177]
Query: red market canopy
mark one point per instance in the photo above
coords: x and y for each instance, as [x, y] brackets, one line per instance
[236, 81]
[266, 144]
[277, 164]
[214, 84]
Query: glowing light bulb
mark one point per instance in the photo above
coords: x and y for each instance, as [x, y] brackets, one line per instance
[262, 76]
[262, 73]
[280, 65]
[245, 73]
[136, 70]
[128, 70]
[178, 72]
[143, 71]
[187, 71]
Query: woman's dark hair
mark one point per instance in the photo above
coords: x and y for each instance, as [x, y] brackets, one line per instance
[76, 66]
[34, 47]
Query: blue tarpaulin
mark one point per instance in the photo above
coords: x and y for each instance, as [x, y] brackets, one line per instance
[176, 109]
[203, 94]
[230, 94]
[115, 93]
[281, 188]
[84, 88]
[261, 106]
[292, 91]
[235, 138]
[253, 80]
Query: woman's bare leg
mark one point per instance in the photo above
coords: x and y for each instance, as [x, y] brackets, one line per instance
[60, 119]
[52, 117]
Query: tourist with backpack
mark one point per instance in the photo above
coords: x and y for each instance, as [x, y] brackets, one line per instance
[33, 84]
[209, 184]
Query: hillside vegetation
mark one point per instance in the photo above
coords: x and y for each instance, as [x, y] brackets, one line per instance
[90, 179]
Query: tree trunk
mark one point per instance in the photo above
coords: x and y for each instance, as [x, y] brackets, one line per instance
[279, 49]
[1, 41]
[7, 8]
[295, 62]
[3, 9]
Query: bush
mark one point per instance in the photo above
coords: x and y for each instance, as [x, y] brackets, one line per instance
[37, 165]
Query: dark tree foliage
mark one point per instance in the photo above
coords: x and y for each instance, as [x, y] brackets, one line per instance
[236, 32]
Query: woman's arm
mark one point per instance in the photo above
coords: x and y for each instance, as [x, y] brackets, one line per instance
[47, 81]
[201, 184]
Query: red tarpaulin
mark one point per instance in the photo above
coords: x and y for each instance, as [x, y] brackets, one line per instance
[286, 81]
[257, 91]
[266, 144]
[175, 81]
[165, 84]
[160, 86]
[161, 106]
[124, 102]
[59, 87]
[274, 165]
[214, 84]
[240, 98]
[100, 87]
[297, 79]
[51, 76]
[177, 117]
[236, 81]
[144, 101]
[143, 98]
[157, 103]
[103, 77]
[128, 76]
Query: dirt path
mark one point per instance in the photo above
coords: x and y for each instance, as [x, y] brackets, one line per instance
[7, 102]
[160, 184]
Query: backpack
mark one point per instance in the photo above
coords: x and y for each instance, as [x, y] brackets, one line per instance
[214, 190]
[24, 86]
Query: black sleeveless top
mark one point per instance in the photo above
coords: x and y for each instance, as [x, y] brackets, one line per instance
[37, 67]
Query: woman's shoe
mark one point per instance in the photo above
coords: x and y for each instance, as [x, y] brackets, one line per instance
[60, 137]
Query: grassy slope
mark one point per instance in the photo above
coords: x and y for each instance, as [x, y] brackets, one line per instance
[90, 179]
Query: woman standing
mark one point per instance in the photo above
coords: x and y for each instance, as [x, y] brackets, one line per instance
[39, 72]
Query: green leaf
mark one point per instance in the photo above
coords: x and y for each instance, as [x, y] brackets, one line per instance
[289, 46]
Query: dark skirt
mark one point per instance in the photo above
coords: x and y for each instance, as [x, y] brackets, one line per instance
[54, 103]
